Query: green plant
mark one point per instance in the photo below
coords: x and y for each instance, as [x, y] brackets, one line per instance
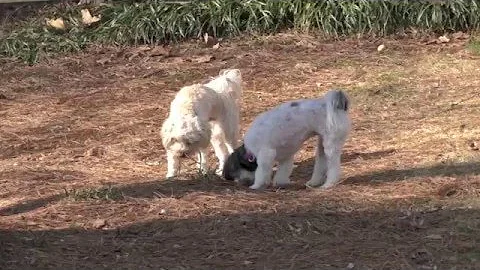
[155, 21]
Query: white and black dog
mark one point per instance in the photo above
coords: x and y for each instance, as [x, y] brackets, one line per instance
[202, 114]
[277, 134]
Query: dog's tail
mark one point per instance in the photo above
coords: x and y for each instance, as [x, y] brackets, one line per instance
[337, 108]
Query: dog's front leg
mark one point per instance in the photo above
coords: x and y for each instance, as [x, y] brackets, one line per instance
[263, 174]
[173, 165]
[219, 146]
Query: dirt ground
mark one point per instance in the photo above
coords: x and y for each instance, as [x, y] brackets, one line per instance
[82, 166]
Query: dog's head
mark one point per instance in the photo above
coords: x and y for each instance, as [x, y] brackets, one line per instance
[185, 135]
[240, 166]
[232, 74]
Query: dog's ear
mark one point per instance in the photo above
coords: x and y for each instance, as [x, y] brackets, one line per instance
[246, 160]
[231, 167]
[222, 72]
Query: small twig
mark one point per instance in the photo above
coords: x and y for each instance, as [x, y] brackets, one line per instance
[452, 105]
[159, 195]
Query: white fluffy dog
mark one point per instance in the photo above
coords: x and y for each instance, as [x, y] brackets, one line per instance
[276, 135]
[201, 114]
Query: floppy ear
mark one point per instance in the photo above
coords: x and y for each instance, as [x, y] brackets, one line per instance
[246, 161]
[224, 71]
[231, 166]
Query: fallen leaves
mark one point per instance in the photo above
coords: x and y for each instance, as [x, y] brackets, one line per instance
[146, 51]
[474, 146]
[434, 237]
[411, 220]
[211, 42]
[443, 39]
[448, 38]
[87, 18]
[380, 48]
[57, 24]
[99, 223]
[203, 58]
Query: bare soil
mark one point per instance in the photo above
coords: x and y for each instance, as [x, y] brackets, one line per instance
[82, 166]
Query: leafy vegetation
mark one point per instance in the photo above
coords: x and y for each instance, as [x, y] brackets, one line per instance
[155, 21]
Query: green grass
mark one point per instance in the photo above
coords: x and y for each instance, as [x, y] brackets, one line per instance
[155, 21]
[474, 46]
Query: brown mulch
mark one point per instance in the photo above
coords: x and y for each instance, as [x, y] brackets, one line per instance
[409, 198]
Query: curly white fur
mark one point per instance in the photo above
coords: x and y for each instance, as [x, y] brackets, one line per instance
[202, 114]
[276, 135]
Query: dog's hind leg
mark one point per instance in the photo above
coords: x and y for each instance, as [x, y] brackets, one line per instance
[263, 174]
[202, 160]
[320, 167]
[282, 176]
[173, 165]
[230, 127]
[219, 146]
[333, 152]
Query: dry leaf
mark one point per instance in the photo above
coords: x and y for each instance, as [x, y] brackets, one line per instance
[434, 237]
[216, 46]
[87, 18]
[306, 67]
[97, 151]
[443, 39]
[460, 35]
[103, 61]
[159, 51]
[380, 48]
[209, 40]
[204, 58]
[56, 23]
[474, 146]
[95, 2]
[99, 223]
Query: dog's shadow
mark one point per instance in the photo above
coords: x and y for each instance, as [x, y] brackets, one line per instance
[304, 169]
[179, 187]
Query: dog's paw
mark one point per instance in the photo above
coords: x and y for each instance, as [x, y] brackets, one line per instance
[256, 187]
[219, 172]
[312, 184]
[281, 182]
[327, 186]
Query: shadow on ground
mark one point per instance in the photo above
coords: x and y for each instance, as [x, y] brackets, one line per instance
[307, 239]
[304, 170]
[177, 188]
